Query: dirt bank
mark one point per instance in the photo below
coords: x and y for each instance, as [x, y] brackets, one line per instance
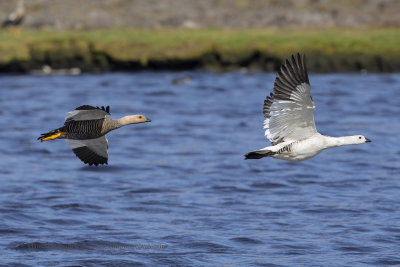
[125, 49]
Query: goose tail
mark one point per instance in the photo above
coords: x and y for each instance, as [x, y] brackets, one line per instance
[55, 134]
[259, 154]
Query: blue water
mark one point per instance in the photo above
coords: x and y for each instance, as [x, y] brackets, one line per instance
[177, 190]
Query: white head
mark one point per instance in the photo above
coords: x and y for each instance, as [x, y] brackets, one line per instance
[346, 140]
[134, 119]
[359, 139]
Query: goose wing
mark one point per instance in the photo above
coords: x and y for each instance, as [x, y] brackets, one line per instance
[90, 151]
[288, 111]
[87, 112]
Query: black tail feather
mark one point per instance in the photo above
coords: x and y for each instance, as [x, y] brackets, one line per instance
[258, 154]
[44, 135]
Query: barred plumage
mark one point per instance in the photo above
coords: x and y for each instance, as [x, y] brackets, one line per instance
[84, 129]
[287, 148]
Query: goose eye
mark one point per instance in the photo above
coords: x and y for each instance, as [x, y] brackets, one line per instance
[359, 137]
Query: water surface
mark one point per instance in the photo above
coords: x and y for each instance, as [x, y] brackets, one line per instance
[177, 190]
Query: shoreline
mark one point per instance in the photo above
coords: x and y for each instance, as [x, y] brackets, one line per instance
[335, 50]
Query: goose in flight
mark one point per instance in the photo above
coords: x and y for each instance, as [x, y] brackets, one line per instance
[289, 120]
[85, 129]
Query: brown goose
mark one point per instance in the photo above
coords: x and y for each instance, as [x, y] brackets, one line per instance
[85, 129]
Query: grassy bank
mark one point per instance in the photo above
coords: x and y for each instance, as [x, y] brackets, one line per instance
[126, 49]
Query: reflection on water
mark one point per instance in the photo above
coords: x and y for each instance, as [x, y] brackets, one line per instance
[177, 190]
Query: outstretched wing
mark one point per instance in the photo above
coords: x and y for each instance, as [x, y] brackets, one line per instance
[87, 112]
[288, 111]
[90, 151]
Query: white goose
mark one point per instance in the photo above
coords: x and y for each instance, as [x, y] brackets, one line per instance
[289, 120]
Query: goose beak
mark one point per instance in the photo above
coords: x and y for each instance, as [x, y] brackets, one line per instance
[367, 140]
[148, 120]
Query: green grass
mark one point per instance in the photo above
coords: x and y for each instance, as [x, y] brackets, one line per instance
[205, 47]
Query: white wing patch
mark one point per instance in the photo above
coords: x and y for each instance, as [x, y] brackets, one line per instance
[293, 119]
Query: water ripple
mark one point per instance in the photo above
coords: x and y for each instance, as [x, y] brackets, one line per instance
[177, 191]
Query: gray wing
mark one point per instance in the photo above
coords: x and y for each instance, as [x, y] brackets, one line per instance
[90, 151]
[288, 111]
[87, 112]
